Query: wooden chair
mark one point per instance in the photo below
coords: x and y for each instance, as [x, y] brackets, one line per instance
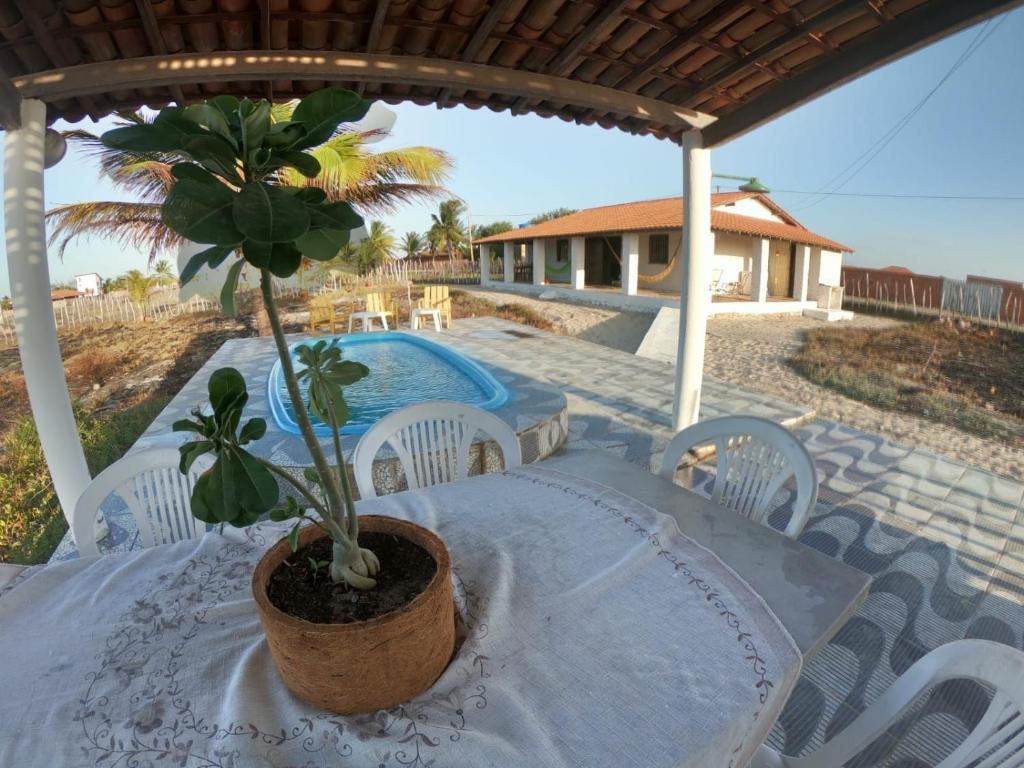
[755, 457]
[321, 314]
[437, 297]
[996, 740]
[379, 306]
[432, 441]
[150, 485]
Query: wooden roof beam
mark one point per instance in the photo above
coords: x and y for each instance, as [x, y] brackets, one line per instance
[476, 42]
[227, 66]
[156, 41]
[10, 103]
[373, 37]
[567, 58]
[905, 34]
[53, 51]
[265, 27]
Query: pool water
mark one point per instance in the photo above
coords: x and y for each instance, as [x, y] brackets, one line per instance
[404, 369]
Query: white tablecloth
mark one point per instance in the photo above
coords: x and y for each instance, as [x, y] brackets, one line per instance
[595, 635]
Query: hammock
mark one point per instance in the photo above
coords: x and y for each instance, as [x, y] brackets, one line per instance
[657, 275]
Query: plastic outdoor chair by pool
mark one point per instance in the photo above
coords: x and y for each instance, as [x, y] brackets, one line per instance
[432, 441]
[157, 494]
[437, 297]
[997, 739]
[755, 457]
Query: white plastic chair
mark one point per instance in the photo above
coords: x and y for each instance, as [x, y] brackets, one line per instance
[997, 740]
[157, 494]
[432, 441]
[755, 457]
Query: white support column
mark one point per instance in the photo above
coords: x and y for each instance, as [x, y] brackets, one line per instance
[578, 258]
[509, 262]
[759, 269]
[539, 260]
[630, 263]
[803, 269]
[33, 310]
[694, 295]
[485, 265]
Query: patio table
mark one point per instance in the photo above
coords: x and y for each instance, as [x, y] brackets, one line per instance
[593, 634]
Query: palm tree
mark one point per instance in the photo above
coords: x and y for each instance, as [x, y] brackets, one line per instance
[377, 248]
[448, 233]
[373, 182]
[164, 273]
[139, 285]
[412, 244]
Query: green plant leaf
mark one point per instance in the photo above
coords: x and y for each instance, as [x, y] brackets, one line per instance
[257, 487]
[293, 537]
[346, 372]
[227, 293]
[227, 105]
[269, 214]
[201, 212]
[187, 425]
[216, 254]
[201, 493]
[254, 429]
[214, 154]
[255, 126]
[311, 196]
[207, 115]
[304, 163]
[225, 387]
[192, 451]
[334, 216]
[285, 260]
[321, 112]
[149, 137]
[257, 253]
[322, 244]
[283, 135]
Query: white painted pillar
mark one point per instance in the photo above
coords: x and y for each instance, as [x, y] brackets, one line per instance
[509, 261]
[485, 265]
[694, 295]
[33, 311]
[630, 263]
[759, 269]
[578, 259]
[803, 269]
[539, 260]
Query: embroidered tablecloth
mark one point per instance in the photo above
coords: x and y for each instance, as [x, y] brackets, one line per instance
[593, 634]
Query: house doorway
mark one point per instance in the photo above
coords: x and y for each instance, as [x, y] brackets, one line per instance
[781, 268]
[601, 261]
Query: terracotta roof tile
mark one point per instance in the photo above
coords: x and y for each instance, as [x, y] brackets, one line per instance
[667, 213]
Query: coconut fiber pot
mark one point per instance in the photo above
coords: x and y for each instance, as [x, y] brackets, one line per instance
[365, 665]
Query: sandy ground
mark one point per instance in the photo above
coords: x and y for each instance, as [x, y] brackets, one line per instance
[751, 352]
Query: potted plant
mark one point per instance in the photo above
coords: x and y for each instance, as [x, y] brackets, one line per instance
[358, 612]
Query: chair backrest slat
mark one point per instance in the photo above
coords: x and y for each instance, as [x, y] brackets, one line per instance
[432, 441]
[152, 488]
[996, 741]
[755, 458]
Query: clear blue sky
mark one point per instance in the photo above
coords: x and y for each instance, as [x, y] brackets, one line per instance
[965, 141]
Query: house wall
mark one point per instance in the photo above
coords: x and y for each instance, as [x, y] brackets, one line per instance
[557, 271]
[830, 271]
[732, 256]
[750, 207]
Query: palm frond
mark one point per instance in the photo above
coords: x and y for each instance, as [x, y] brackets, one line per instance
[131, 225]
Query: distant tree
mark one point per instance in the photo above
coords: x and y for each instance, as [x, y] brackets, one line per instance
[377, 248]
[6, 303]
[412, 244]
[494, 228]
[164, 272]
[448, 232]
[556, 213]
[139, 285]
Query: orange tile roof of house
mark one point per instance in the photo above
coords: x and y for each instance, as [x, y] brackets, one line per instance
[59, 294]
[667, 213]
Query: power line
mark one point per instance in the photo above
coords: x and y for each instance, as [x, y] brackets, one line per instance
[900, 195]
[864, 159]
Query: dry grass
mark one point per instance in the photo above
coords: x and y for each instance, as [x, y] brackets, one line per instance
[972, 378]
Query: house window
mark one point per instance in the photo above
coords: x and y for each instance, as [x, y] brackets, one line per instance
[561, 251]
[657, 253]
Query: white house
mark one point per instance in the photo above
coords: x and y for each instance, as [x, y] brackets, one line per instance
[89, 284]
[764, 259]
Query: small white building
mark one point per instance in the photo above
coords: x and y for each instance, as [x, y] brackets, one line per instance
[89, 284]
[628, 255]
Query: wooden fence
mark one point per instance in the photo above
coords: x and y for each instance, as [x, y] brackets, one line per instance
[981, 299]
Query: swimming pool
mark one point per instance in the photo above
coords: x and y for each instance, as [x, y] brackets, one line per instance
[404, 369]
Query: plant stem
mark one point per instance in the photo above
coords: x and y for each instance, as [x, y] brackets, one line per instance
[346, 486]
[334, 500]
[294, 481]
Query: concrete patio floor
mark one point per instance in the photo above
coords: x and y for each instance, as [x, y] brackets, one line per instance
[943, 540]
